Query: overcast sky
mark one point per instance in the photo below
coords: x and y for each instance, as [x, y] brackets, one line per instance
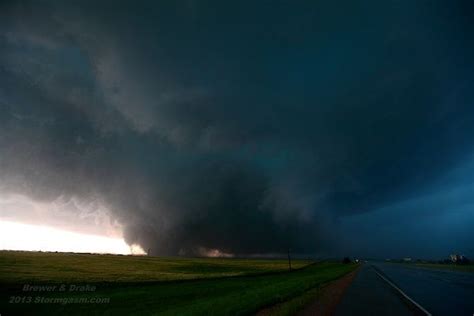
[327, 127]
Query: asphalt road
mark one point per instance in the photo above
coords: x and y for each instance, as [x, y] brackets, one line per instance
[439, 291]
[370, 295]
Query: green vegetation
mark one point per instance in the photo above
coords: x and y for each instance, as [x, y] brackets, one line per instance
[456, 267]
[259, 283]
[17, 267]
[296, 304]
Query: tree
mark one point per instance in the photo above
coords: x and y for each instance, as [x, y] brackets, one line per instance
[346, 260]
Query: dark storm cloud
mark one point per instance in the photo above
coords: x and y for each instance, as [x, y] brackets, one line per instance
[244, 127]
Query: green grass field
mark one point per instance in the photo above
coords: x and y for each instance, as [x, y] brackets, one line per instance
[16, 266]
[156, 286]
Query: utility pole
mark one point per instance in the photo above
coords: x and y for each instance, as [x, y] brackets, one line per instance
[289, 259]
[149, 252]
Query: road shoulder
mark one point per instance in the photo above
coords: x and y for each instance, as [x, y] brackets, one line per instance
[317, 301]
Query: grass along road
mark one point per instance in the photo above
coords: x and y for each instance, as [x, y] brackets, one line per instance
[18, 267]
[204, 296]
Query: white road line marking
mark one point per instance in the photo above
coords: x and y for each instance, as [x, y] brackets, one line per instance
[402, 293]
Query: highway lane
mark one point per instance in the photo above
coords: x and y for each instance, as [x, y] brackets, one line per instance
[370, 295]
[440, 291]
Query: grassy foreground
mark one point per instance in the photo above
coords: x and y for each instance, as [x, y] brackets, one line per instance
[204, 295]
[18, 266]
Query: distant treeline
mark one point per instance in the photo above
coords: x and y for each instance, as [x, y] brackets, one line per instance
[460, 261]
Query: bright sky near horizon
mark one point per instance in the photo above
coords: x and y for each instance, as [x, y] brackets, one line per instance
[16, 236]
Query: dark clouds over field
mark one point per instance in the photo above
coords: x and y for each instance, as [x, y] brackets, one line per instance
[247, 127]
